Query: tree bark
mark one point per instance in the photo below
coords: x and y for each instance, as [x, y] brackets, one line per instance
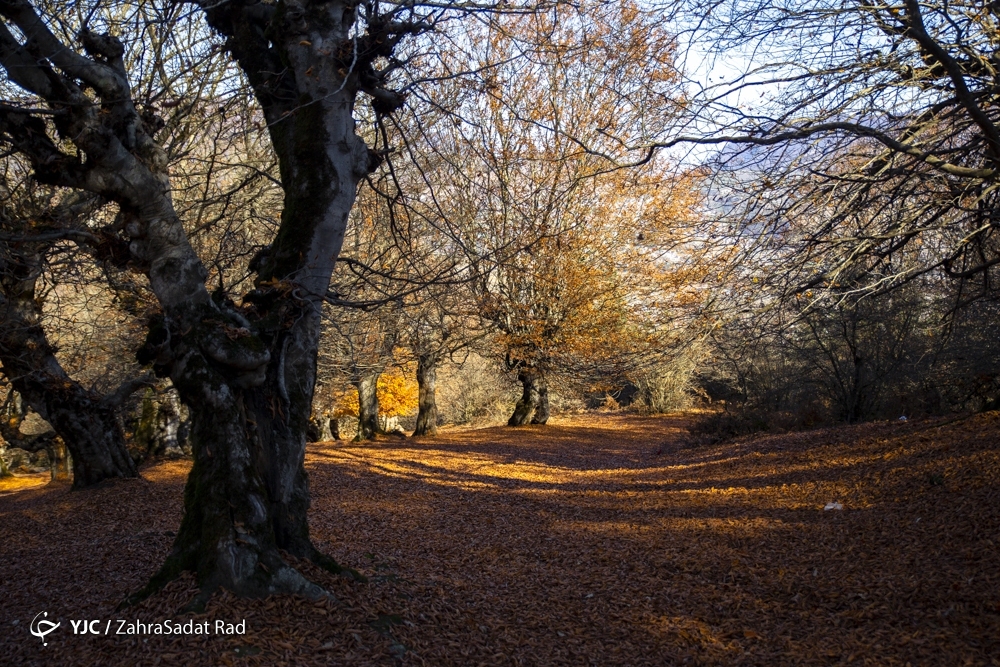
[427, 414]
[541, 415]
[368, 424]
[59, 460]
[532, 401]
[319, 429]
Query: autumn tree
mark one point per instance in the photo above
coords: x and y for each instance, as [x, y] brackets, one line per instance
[879, 114]
[527, 181]
[442, 324]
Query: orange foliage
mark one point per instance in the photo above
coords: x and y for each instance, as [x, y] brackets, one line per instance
[587, 259]
[397, 396]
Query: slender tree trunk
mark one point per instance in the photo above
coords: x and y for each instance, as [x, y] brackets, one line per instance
[145, 430]
[368, 424]
[335, 428]
[427, 414]
[4, 471]
[168, 422]
[59, 460]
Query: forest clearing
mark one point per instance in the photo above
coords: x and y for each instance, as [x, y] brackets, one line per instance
[600, 539]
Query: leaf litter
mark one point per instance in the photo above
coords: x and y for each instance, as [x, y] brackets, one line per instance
[597, 540]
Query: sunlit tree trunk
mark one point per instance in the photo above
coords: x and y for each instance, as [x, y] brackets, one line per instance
[59, 460]
[427, 414]
[534, 399]
[368, 424]
[320, 429]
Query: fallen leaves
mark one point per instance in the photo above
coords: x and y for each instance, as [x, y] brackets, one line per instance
[17, 482]
[571, 544]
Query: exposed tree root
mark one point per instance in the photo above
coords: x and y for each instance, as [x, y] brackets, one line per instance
[271, 576]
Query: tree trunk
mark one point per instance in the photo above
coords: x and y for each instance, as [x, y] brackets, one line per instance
[59, 460]
[4, 471]
[160, 423]
[319, 429]
[145, 430]
[86, 422]
[427, 414]
[531, 399]
[335, 429]
[250, 389]
[368, 424]
[542, 407]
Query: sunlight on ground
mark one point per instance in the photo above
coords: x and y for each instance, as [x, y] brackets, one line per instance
[612, 540]
[15, 483]
[167, 471]
[450, 461]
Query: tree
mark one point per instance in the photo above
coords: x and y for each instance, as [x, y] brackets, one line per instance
[440, 326]
[523, 171]
[86, 421]
[239, 395]
[879, 115]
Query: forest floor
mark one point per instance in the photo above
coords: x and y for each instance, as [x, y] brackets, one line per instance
[597, 540]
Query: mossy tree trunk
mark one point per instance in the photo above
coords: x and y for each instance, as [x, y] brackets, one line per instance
[427, 413]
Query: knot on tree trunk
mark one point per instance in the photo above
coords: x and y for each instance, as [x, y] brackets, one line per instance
[239, 349]
[231, 346]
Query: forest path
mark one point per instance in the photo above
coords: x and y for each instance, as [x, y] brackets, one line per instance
[601, 539]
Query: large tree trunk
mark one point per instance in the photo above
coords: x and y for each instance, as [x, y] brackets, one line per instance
[427, 414]
[246, 373]
[368, 424]
[250, 390]
[533, 408]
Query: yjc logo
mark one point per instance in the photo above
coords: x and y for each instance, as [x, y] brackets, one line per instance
[40, 628]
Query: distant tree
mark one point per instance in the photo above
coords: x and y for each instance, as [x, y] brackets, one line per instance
[443, 324]
[524, 170]
[857, 133]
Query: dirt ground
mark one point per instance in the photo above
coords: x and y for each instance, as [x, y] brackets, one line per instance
[596, 540]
